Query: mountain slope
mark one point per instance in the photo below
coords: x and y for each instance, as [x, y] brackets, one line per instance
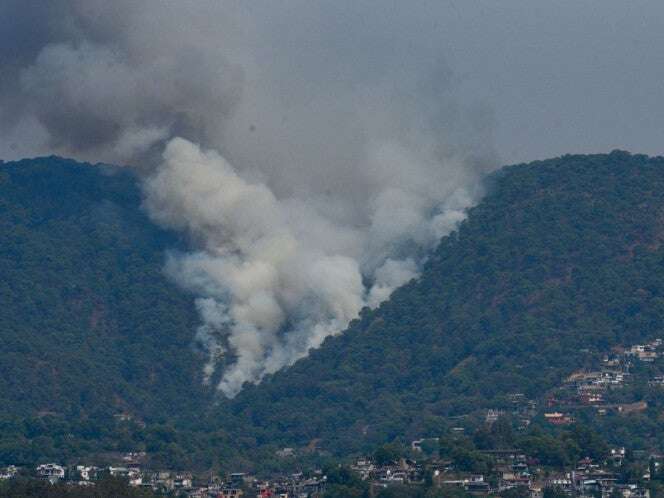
[88, 322]
[561, 260]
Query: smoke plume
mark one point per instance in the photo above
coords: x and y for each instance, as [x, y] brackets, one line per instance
[315, 153]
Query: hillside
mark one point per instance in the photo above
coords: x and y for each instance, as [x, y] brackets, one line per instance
[89, 324]
[562, 260]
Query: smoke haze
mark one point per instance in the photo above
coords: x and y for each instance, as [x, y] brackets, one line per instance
[315, 153]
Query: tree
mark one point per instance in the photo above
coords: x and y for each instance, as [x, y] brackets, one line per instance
[471, 461]
[517, 492]
[386, 454]
[554, 492]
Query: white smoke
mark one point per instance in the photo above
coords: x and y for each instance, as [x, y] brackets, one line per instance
[277, 276]
[313, 159]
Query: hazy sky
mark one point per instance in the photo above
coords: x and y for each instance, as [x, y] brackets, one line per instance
[564, 76]
[553, 77]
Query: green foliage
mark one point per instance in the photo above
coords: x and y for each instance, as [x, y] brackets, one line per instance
[414, 491]
[108, 487]
[471, 461]
[90, 325]
[387, 453]
[554, 492]
[581, 442]
[518, 492]
[547, 449]
[449, 492]
[342, 483]
[656, 489]
[562, 258]
[499, 435]
[566, 448]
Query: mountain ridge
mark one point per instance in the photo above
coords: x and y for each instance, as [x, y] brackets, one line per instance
[563, 258]
[553, 261]
[79, 257]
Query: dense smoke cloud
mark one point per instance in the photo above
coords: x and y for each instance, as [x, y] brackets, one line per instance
[314, 153]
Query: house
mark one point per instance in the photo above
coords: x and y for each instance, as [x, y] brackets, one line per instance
[163, 480]
[477, 485]
[87, 473]
[182, 481]
[590, 398]
[617, 455]
[285, 452]
[51, 472]
[312, 487]
[633, 407]
[557, 418]
[644, 352]
[560, 482]
[133, 458]
[631, 491]
[611, 361]
[493, 415]
[8, 473]
[237, 479]
[230, 493]
[132, 474]
[656, 381]
[648, 356]
[364, 467]
[416, 445]
[118, 471]
[198, 493]
[264, 491]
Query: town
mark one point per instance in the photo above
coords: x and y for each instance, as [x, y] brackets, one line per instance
[513, 473]
[484, 461]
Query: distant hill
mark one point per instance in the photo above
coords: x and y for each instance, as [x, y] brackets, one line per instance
[89, 324]
[562, 259]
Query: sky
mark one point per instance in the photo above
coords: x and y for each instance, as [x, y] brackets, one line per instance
[555, 77]
[564, 76]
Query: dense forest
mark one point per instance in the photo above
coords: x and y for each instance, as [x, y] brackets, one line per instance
[90, 325]
[88, 319]
[108, 487]
[561, 260]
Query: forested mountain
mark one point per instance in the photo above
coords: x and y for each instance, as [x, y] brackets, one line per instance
[89, 323]
[562, 260]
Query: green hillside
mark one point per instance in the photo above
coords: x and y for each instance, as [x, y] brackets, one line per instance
[88, 321]
[560, 261]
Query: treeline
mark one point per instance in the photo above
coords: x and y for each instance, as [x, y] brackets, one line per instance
[29, 441]
[343, 483]
[108, 487]
[89, 324]
[555, 450]
[561, 260]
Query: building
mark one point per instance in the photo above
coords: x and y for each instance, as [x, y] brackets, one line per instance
[230, 493]
[8, 473]
[557, 418]
[51, 472]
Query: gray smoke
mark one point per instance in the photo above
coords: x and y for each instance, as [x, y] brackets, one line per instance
[315, 152]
